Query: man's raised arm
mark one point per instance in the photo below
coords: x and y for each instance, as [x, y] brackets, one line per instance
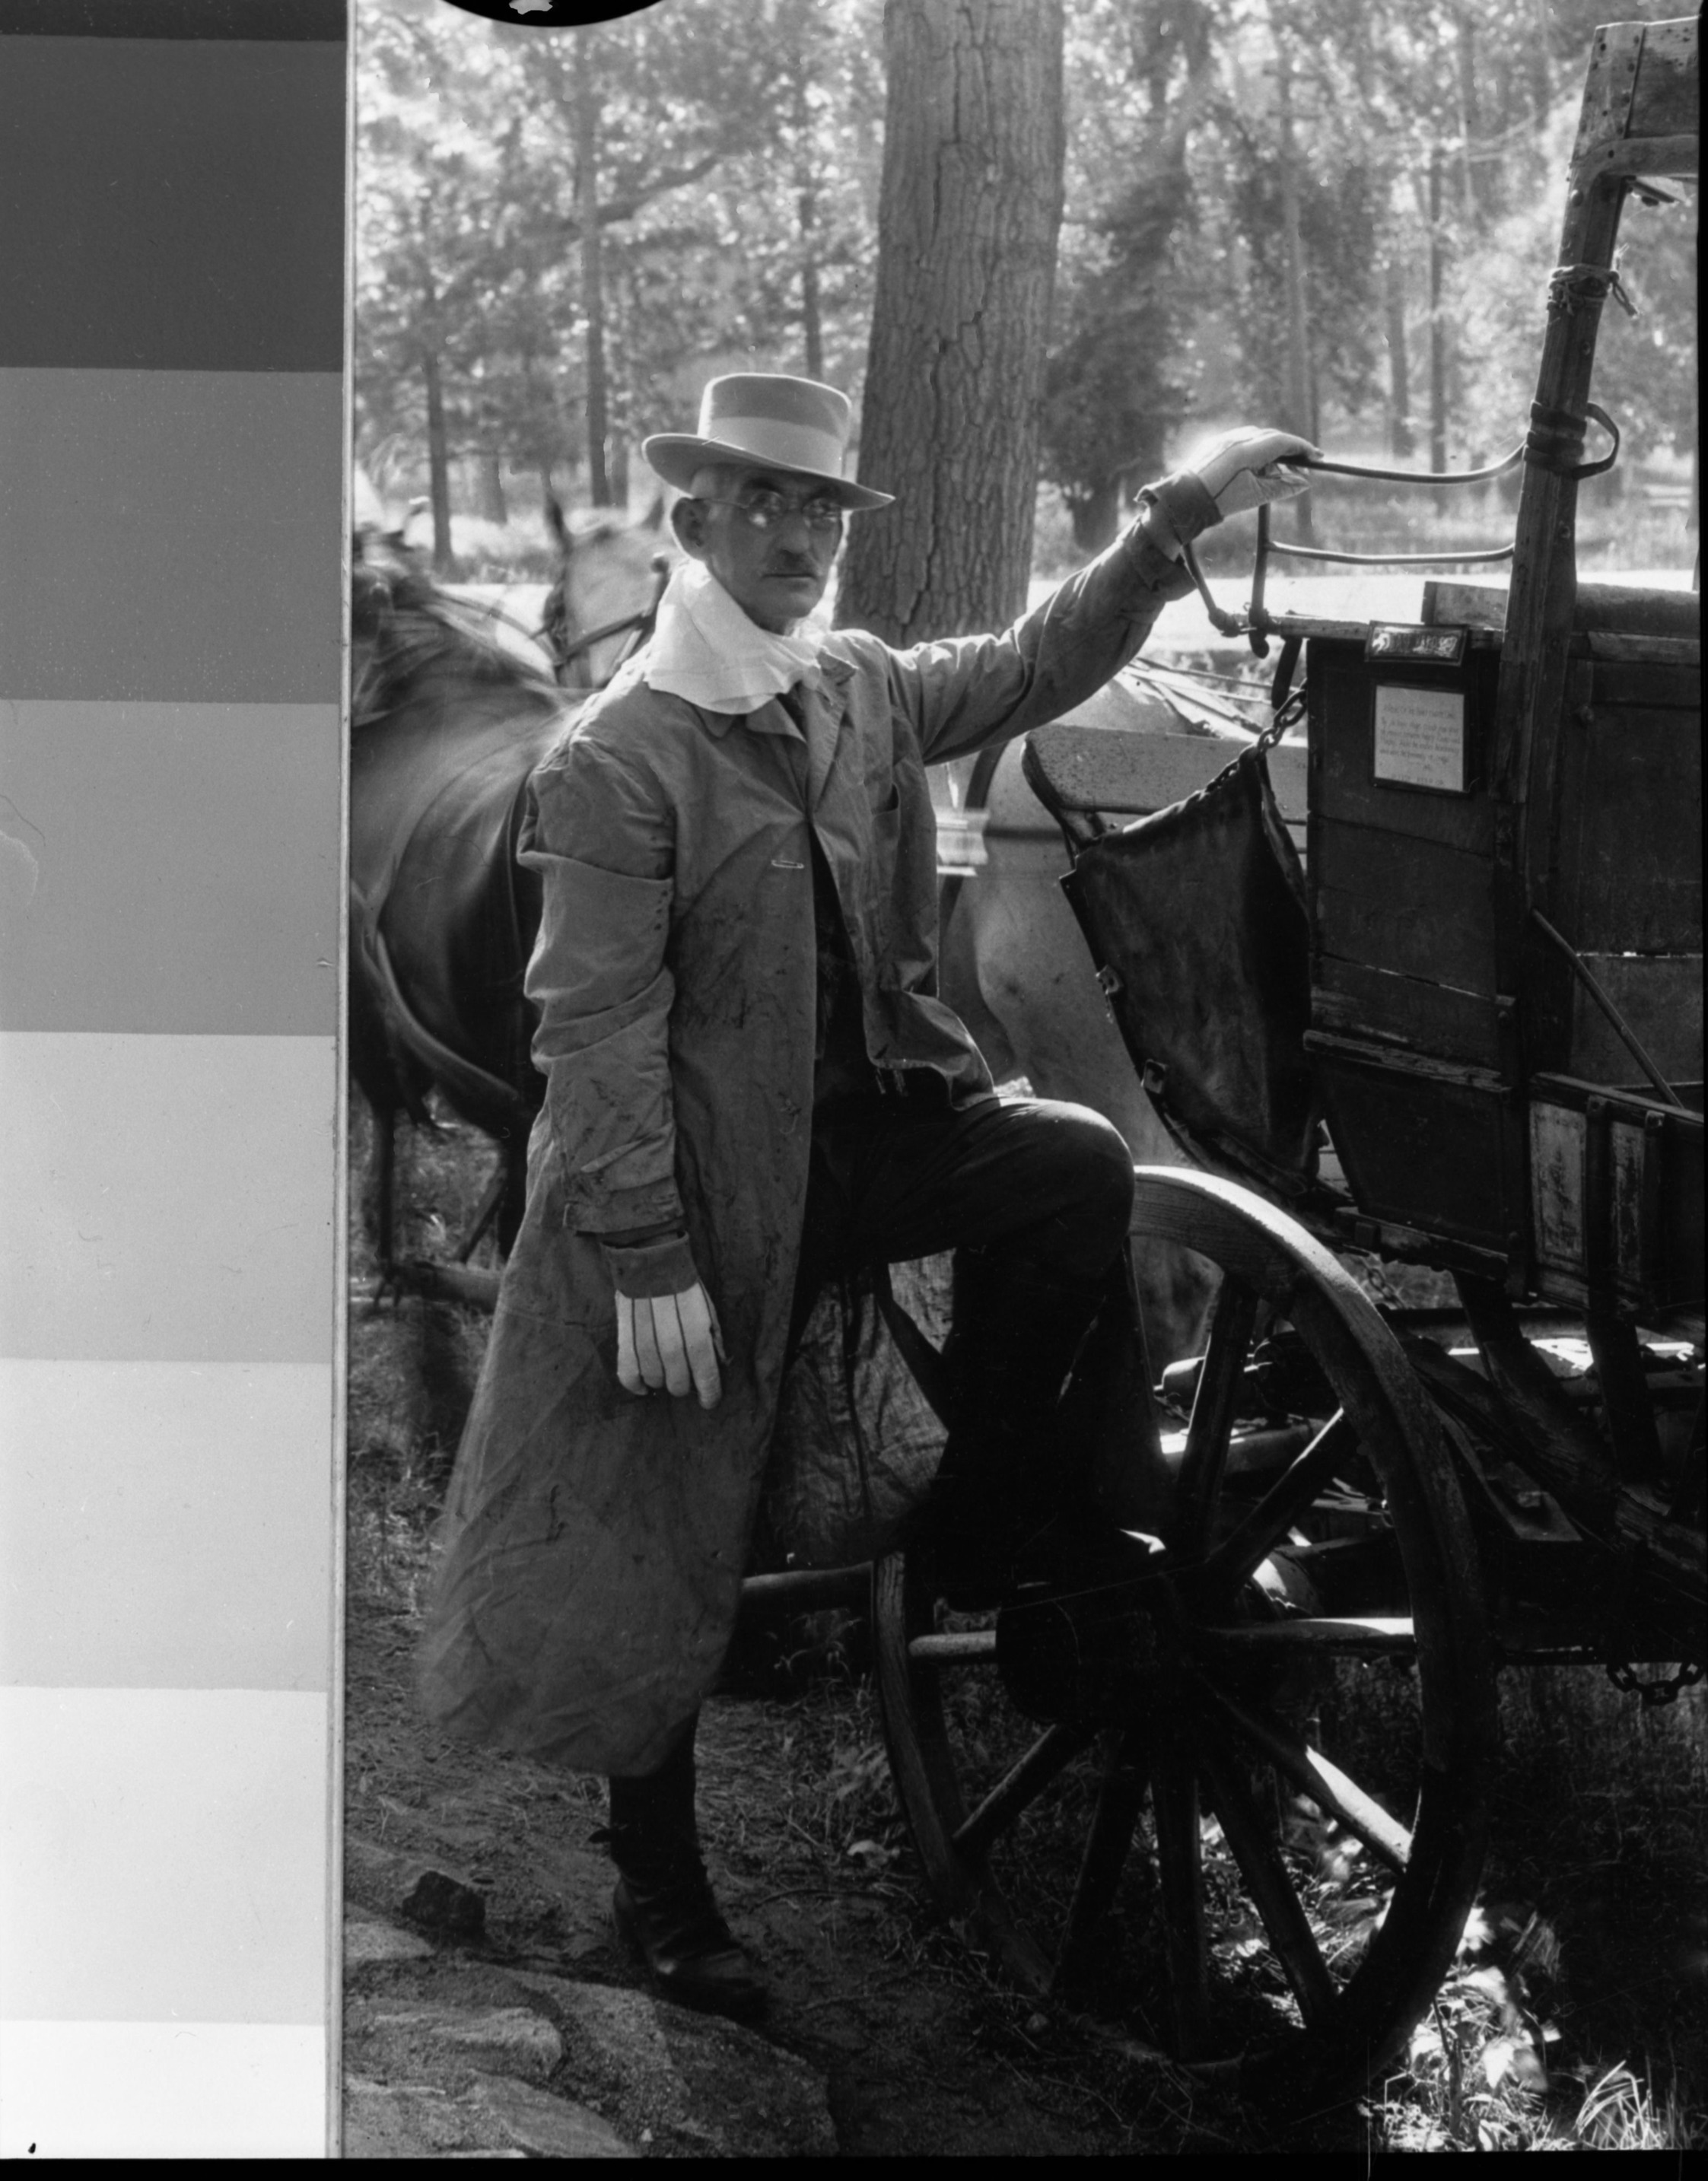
[966, 692]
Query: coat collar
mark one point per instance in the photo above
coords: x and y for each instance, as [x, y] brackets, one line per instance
[825, 693]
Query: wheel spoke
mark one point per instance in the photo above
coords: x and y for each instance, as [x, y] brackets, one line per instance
[1214, 1405]
[1120, 1793]
[1281, 1506]
[956, 1647]
[1175, 1801]
[1051, 1753]
[1334, 1793]
[1346, 1635]
[1404, 1585]
[1268, 1883]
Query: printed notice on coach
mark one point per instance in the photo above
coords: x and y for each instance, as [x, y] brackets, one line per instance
[1420, 737]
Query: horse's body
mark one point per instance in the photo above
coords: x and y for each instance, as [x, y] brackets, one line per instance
[1013, 966]
[447, 728]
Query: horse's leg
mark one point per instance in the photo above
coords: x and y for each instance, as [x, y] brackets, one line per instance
[385, 1178]
[497, 1189]
[380, 1198]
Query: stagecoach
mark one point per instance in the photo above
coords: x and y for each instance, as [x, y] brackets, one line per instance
[1471, 1053]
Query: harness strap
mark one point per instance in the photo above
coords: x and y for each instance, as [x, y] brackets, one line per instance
[1556, 434]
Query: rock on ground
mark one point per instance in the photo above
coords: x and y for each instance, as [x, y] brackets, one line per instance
[446, 2056]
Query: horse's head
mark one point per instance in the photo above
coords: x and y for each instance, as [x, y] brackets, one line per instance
[609, 578]
[406, 635]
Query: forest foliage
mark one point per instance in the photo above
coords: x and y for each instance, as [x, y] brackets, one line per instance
[1337, 215]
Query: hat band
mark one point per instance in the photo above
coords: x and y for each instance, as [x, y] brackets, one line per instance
[769, 439]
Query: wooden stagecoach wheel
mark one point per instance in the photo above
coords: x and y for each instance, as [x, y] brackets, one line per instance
[1075, 1843]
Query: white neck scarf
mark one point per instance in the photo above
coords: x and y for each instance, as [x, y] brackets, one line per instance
[705, 648]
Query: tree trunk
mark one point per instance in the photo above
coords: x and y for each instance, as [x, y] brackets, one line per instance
[806, 215]
[592, 275]
[489, 473]
[811, 311]
[1400, 438]
[970, 207]
[1299, 414]
[1096, 516]
[1438, 331]
[438, 463]
[1541, 69]
[1465, 40]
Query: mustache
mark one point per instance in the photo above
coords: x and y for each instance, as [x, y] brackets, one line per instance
[792, 568]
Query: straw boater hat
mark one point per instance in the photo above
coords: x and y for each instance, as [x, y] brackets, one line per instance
[793, 424]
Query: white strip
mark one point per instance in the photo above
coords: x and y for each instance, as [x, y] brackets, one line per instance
[165, 1854]
[162, 2089]
[167, 1198]
[166, 1525]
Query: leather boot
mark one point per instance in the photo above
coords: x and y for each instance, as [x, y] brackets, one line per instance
[1005, 1472]
[663, 1906]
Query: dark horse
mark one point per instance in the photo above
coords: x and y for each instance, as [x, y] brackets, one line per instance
[445, 729]
[446, 725]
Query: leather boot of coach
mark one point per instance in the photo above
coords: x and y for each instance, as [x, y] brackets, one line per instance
[664, 1908]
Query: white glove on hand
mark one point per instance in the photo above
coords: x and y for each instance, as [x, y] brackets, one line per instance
[669, 1342]
[1244, 468]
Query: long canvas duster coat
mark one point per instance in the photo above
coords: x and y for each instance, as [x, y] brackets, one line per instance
[594, 1543]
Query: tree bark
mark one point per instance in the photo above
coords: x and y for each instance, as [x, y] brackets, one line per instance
[970, 208]
[438, 462]
[586, 123]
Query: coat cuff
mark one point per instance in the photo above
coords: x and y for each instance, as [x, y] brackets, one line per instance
[664, 1267]
[1186, 503]
[1157, 569]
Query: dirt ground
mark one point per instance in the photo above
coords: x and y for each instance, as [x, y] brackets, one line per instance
[919, 2053]
[885, 2036]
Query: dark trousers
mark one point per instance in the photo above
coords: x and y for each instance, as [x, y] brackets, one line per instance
[1036, 1196]
[1044, 1185]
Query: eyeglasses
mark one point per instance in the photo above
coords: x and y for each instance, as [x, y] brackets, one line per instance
[768, 511]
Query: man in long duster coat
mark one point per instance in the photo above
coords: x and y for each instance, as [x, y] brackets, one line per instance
[595, 1543]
